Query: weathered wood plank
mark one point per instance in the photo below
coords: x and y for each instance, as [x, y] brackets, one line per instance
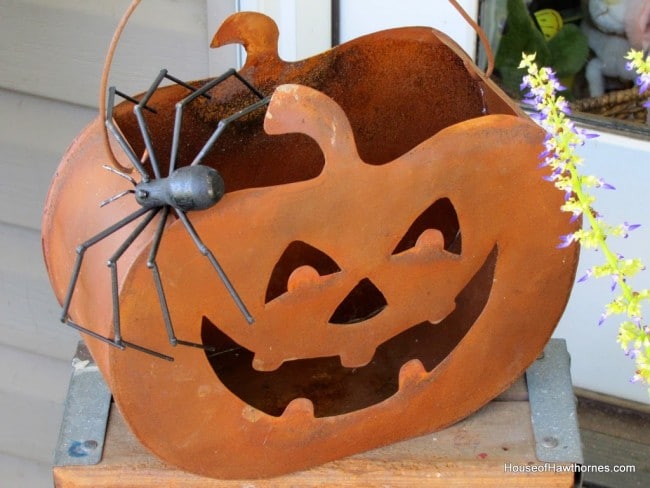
[614, 434]
[628, 420]
[604, 453]
[471, 453]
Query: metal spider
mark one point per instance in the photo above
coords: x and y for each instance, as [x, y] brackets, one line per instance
[184, 189]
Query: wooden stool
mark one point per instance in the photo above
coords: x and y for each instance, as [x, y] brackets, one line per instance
[528, 436]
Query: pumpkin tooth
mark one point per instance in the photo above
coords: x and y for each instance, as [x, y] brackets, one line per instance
[357, 358]
[266, 363]
[302, 277]
[411, 372]
[446, 312]
[430, 241]
[299, 407]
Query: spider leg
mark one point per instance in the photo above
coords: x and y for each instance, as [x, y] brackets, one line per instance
[203, 249]
[119, 137]
[221, 126]
[144, 129]
[151, 264]
[112, 264]
[81, 250]
[142, 105]
[180, 106]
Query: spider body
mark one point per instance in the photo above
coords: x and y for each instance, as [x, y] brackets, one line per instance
[187, 188]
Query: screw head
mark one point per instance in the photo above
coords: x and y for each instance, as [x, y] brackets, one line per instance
[550, 442]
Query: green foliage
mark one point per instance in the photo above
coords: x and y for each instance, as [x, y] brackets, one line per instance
[566, 53]
[569, 50]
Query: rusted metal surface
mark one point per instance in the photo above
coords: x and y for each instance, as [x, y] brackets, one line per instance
[387, 224]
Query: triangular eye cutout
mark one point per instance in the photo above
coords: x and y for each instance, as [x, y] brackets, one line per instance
[440, 215]
[297, 254]
[362, 303]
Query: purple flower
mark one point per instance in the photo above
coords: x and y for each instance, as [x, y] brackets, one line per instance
[643, 82]
[588, 135]
[571, 126]
[539, 116]
[566, 240]
[586, 276]
[627, 228]
[603, 317]
[636, 378]
[603, 184]
[574, 216]
[563, 105]
[555, 83]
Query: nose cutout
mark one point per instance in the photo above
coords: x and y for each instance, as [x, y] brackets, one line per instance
[362, 303]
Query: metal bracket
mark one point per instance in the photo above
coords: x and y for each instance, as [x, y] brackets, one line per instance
[553, 407]
[85, 414]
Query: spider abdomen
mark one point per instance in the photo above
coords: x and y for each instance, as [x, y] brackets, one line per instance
[187, 188]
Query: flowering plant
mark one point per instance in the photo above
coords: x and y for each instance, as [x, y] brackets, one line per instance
[560, 156]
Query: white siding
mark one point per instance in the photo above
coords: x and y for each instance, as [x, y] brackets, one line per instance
[28, 310]
[51, 56]
[34, 133]
[56, 48]
[360, 17]
[35, 348]
[305, 25]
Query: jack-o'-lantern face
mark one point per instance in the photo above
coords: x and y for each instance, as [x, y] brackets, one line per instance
[357, 351]
[395, 287]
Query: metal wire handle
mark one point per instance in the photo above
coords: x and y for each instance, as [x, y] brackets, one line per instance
[104, 84]
[481, 35]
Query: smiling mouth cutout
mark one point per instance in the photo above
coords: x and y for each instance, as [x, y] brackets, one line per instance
[332, 388]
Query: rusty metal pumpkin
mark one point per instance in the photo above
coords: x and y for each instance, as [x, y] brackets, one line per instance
[387, 225]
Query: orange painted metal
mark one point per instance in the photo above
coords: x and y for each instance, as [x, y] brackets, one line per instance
[386, 223]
